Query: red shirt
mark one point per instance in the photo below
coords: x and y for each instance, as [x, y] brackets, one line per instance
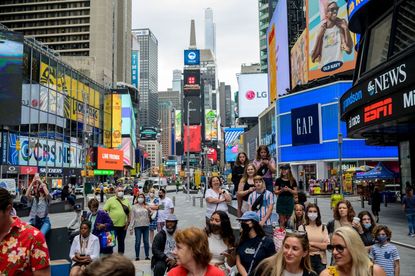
[211, 271]
[23, 250]
[136, 191]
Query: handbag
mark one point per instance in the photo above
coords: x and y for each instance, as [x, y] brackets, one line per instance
[258, 202]
[125, 208]
[153, 215]
[107, 239]
[256, 252]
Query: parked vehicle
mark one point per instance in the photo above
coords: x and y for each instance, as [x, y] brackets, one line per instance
[56, 193]
[79, 190]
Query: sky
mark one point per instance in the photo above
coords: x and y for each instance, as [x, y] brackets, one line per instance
[236, 33]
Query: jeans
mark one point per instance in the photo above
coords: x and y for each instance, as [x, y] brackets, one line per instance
[120, 233]
[411, 223]
[269, 185]
[141, 231]
[44, 226]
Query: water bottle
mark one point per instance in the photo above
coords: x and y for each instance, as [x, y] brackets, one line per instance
[104, 239]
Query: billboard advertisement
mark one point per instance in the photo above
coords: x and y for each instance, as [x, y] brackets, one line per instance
[211, 125]
[178, 125]
[195, 108]
[278, 57]
[11, 72]
[253, 94]
[232, 143]
[109, 159]
[191, 82]
[306, 125]
[299, 61]
[193, 142]
[330, 43]
[128, 117]
[135, 61]
[128, 150]
[191, 57]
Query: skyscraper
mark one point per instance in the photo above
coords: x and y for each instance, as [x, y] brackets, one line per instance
[265, 10]
[93, 36]
[210, 31]
[225, 104]
[148, 83]
[177, 81]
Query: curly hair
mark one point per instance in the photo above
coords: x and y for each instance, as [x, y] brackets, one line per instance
[197, 241]
[350, 211]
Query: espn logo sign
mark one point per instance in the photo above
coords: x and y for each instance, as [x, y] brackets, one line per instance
[378, 110]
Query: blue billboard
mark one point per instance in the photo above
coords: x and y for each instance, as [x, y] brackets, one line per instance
[191, 57]
[232, 143]
[306, 125]
[135, 61]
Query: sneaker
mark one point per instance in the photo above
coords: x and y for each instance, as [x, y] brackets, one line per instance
[147, 258]
[413, 235]
[137, 259]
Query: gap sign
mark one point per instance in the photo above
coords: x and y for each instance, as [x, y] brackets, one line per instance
[306, 125]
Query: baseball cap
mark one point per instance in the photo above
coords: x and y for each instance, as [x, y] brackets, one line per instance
[249, 215]
[285, 167]
[171, 217]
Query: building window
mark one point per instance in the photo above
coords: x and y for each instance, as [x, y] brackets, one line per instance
[378, 43]
[405, 27]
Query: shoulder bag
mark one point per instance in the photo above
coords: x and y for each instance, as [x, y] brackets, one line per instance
[256, 252]
[125, 208]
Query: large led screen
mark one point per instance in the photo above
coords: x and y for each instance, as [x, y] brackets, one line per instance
[330, 43]
[299, 66]
[11, 71]
[253, 94]
[232, 143]
[193, 140]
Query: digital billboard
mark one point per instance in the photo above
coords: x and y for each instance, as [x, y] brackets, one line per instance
[191, 82]
[128, 151]
[195, 108]
[193, 142]
[11, 72]
[109, 159]
[211, 125]
[299, 65]
[178, 125]
[191, 57]
[128, 118]
[330, 43]
[279, 56]
[232, 143]
[253, 94]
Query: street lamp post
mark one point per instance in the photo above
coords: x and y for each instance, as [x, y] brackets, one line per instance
[84, 145]
[340, 144]
[188, 150]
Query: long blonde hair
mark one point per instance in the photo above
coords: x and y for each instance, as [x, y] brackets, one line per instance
[245, 175]
[361, 263]
[293, 219]
[275, 265]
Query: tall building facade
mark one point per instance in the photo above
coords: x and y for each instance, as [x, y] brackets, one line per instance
[153, 149]
[148, 83]
[93, 36]
[177, 84]
[172, 97]
[265, 10]
[210, 31]
[166, 115]
[225, 104]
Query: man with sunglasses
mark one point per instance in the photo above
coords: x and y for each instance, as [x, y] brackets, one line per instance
[333, 38]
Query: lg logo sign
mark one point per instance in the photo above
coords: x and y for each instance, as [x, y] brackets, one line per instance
[250, 95]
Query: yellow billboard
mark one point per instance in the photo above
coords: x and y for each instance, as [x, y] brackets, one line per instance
[272, 65]
[47, 75]
[116, 121]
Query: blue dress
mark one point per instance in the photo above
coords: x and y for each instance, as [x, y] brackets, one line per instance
[153, 223]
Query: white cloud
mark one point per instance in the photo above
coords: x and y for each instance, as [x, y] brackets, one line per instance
[236, 33]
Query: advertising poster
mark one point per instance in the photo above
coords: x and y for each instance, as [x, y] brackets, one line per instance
[178, 125]
[116, 121]
[272, 63]
[127, 151]
[194, 140]
[107, 121]
[253, 94]
[331, 45]
[135, 61]
[232, 143]
[109, 159]
[280, 55]
[191, 57]
[299, 66]
[211, 125]
[11, 65]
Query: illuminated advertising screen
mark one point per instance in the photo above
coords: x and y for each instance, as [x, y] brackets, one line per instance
[330, 43]
[191, 57]
[191, 82]
[232, 143]
[299, 65]
[135, 62]
[253, 94]
[11, 72]
[211, 125]
[195, 108]
[128, 152]
[306, 125]
[178, 125]
[193, 141]
[278, 57]
[109, 159]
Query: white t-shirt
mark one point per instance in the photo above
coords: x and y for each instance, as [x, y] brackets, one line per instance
[331, 50]
[286, 273]
[216, 247]
[210, 207]
[163, 214]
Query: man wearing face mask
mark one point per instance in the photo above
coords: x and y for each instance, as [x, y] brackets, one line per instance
[165, 208]
[119, 210]
[163, 246]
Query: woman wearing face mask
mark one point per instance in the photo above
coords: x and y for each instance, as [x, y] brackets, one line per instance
[318, 238]
[100, 222]
[292, 260]
[153, 202]
[253, 245]
[298, 217]
[245, 188]
[140, 221]
[221, 241]
[365, 228]
[38, 194]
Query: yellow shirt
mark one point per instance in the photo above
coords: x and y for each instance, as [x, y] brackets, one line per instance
[116, 211]
[334, 199]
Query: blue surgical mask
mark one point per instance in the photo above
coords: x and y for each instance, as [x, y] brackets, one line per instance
[367, 225]
[382, 238]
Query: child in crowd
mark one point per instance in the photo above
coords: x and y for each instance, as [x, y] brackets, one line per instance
[383, 253]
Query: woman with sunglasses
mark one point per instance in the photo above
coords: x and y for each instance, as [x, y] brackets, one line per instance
[350, 256]
[292, 259]
[318, 237]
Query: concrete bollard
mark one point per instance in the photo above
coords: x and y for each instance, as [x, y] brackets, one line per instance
[194, 201]
[315, 201]
[201, 202]
[174, 200]
[362, 201]
[385, 199]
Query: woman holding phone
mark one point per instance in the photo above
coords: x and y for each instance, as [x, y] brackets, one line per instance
[265, 166]
[38, 195]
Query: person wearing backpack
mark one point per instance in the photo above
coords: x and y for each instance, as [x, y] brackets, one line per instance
[318, 237]
[261, 201]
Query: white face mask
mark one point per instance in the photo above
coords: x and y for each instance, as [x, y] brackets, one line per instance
[312, 216]
[140, 200]
[120, 194]
[151, 194]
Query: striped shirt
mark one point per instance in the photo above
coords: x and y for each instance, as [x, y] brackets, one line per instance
[268, 200]
[385, 256]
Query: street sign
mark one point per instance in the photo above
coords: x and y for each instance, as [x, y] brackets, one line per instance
[103, 172]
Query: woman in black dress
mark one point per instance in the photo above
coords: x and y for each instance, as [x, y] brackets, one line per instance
[238, 170]
[285, 189]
